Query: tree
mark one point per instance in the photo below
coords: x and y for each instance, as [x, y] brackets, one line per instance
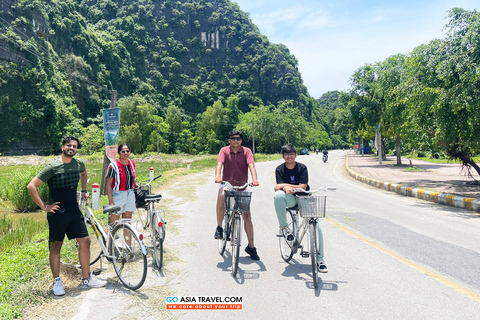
[137, 122]
[388, 90]
[212, 127]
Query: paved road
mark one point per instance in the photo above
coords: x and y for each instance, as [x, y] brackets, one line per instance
[379, 248]
[388, 256]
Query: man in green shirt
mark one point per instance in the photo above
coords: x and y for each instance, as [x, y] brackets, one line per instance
[63, 215]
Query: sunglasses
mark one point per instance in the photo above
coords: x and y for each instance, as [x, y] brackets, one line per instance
[125, 151]
[235, 138]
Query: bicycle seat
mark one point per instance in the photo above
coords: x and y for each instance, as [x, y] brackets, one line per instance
[111, 208]
[295, 207]
[153, 197]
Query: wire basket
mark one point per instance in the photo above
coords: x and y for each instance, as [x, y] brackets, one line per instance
[237, 200]
[312, 206]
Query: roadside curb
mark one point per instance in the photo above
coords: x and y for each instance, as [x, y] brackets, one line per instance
[432, 196]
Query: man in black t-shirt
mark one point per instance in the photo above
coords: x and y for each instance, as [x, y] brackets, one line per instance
[63, 215]
[290, 175]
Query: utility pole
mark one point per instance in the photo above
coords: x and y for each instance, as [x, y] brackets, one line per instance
[253, 141]
[106, 161]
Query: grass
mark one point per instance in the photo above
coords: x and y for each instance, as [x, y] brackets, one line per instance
[21, 231]
[413, 169]
[432, 160]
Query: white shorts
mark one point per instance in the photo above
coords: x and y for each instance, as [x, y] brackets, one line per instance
[124, 199]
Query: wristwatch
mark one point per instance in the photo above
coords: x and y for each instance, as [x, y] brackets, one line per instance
[85, 190]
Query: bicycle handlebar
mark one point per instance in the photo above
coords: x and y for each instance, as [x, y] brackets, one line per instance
[150, 182]
[237, 187]
[316, 190]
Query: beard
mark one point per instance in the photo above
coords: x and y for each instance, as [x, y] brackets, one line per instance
[68, 153]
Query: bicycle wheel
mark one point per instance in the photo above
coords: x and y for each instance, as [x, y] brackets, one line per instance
[158, 234]
[222, 243]
[130, 262]
[288, 249]
[95, 247]
[314, 252]
[236, 235]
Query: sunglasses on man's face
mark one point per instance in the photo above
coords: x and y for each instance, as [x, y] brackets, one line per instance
[125, 151]
[235, 138]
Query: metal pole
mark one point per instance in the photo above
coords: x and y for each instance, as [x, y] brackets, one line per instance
[106, 161]
[253, 141]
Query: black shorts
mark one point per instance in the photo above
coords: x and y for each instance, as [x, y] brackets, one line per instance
[70, 223]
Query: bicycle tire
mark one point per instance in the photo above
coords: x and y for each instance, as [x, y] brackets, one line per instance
[314, 252]
[130, 261]
[235, 243]
[286, 249]
[158, 234]
[222, 243]
[95, 247]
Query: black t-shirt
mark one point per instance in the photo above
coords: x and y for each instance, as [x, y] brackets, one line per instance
[295, 176]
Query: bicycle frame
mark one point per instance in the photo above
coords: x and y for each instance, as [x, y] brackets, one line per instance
[233, 221]
[154, 222]
[303, 227]
[108, 236]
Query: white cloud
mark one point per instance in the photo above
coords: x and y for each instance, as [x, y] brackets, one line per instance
[332, 39]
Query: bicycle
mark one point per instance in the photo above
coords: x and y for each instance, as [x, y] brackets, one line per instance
[154, 220]
[236, 202]
[121, 245]
[310, 208]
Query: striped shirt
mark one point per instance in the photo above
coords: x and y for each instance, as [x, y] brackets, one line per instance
[123, 175]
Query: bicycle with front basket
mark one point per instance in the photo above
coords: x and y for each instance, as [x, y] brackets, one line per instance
[236, 202]
[310, 208]
[121, 245]
[154, 221]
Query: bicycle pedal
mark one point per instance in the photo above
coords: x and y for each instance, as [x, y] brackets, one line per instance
[97, 272]
[304, 254]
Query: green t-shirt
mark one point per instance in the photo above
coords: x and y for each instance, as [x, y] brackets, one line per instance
[62, 175]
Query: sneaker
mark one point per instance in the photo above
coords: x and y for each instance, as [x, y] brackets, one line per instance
[252, 252]
[287, 234]
[58, 287]
[322, 267]
[92, 282]
[219, 233]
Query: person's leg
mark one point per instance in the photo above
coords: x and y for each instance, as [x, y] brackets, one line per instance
[57, 227]
[84, 255]
[248, 226]
[126, 233]
[281, 201]
[320, 242]
[55, 248]
[220, 206]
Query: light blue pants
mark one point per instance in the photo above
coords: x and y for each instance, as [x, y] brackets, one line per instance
[282, 201]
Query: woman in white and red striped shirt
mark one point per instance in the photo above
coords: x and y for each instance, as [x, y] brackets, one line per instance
[121, 182]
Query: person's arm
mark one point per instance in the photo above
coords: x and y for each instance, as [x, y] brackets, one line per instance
[33, 189]
[109, 182]
[288, 187]
[218, 172]
[83, 182]
[253, 172]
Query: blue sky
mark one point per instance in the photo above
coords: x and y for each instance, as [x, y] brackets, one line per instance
[332, 39]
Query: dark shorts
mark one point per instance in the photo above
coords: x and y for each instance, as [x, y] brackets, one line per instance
[69, 223]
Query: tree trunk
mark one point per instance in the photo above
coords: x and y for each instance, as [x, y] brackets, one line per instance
[411, 157]
[468, 163]
[384, 154]
[399, 155]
